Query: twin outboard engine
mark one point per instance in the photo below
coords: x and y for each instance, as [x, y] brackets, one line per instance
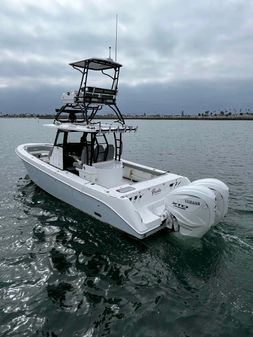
[194, 208]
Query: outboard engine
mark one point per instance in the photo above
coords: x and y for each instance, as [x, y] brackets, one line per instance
[221, 192]
[193, 209]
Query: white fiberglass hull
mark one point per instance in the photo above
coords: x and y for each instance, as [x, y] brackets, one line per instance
[85, 196]
[79, 198]
[139, 209]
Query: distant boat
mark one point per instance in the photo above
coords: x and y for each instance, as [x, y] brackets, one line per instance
[84, 167]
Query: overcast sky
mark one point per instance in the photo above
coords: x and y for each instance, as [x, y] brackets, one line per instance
[177, 55]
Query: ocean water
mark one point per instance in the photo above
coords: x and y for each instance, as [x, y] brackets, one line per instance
[63, 273]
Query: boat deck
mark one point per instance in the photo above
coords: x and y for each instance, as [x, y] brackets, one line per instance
[121, 174]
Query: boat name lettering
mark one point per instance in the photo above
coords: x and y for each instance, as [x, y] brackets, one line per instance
[155, 191]
[192, 202]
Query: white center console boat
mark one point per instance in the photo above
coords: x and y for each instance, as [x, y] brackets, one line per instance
[84, 168]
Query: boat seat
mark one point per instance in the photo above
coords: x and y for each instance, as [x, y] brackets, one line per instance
[97, 95]
[98, 156]
[97, 90]
[83, 159]
[110, 153]
[99, 153]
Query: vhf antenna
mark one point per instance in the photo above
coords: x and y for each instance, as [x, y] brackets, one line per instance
[116, 38]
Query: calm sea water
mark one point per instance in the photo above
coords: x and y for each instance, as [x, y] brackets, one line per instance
[63, 273]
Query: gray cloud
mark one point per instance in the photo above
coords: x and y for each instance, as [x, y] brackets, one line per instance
[163, 98]
[177, 55]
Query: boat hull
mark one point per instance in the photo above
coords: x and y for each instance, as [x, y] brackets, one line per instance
[82, 196]
[138, 209]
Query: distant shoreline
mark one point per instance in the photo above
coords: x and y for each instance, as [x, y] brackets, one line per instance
[214, 118]
[169, 117]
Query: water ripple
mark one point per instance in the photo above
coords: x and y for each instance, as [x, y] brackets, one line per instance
[63, 273]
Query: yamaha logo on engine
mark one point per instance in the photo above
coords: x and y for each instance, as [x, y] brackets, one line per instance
[192, 202]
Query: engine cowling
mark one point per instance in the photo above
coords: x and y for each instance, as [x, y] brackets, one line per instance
[221, 192]
[193, 209]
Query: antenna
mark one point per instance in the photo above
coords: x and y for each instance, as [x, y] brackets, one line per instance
[116, 38]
